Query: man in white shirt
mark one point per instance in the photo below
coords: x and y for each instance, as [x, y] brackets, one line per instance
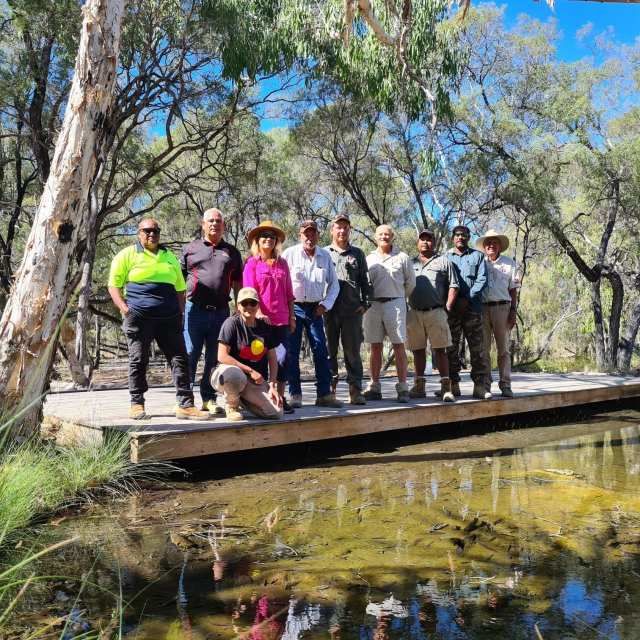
[315, 287]
[392, 281]
[499, 305]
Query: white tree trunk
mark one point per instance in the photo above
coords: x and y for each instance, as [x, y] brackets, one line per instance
[40, 293]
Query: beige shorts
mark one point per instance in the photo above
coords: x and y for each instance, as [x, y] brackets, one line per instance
[386, 319]
[423, 326]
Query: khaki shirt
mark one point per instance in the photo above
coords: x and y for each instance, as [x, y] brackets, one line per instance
[502, 276]
[391, 274]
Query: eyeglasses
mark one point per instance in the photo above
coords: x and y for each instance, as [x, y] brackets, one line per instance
[148, 231]
[249, 303]
[268, 236]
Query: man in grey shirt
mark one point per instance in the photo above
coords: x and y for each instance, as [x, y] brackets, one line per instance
[344, 321]
[433, 297]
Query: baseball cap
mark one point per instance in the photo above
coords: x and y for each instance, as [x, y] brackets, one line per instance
[340, 217]
[426, 232]
[248, 293]
[308, 224]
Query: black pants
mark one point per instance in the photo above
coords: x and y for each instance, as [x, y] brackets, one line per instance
[348, 330]
[167, 333]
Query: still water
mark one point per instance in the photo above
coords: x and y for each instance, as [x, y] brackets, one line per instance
[529, 533]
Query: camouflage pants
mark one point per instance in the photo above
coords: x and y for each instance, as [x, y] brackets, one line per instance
[468, 324]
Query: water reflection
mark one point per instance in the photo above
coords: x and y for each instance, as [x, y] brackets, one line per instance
[543, 539]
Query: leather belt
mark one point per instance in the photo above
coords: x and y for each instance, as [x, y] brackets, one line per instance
[495, 303]
[385, 299]
[438, 306]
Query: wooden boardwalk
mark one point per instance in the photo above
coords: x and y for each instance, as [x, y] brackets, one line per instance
[85, 415]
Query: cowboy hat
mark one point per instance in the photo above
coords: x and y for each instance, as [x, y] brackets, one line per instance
[266, 225]
[492, 233]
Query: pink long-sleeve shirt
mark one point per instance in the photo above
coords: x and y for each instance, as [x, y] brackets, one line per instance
[273, 284]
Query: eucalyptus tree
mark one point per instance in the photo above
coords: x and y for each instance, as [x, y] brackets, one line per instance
[542, 135]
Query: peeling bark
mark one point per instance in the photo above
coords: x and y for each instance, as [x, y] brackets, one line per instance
[31, 319]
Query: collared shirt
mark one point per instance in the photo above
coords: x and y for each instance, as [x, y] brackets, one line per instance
[391, 274]
[150, 280]
[272, 281]
[313, 277]
[211, 271]
[472, 276]
[434, 278]
[353, 276]
[502, 277]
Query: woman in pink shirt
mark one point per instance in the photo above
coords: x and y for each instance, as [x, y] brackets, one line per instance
[268, 274]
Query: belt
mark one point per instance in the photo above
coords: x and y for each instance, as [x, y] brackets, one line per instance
[385, 299]
[206, 307]
[307, 304]
[495, 303]
[438, 306]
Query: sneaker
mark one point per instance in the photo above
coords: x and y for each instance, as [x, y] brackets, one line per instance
[402, 391]
[233, 414]
[328, 401]
[506, 391]
[191, 413]
[286, 407]
[418, 389]
[137, 412]
[480, 392]
[213, 408]
[373, 392]
[296, 401]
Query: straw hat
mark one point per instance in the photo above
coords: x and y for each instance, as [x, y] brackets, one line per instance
[266, 225]
[492, 233]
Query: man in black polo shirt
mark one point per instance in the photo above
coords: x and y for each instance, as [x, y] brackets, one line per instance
[212, 268]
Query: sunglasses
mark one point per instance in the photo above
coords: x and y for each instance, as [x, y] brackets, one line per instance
[249, 303]
[149, 230]
[268, 236]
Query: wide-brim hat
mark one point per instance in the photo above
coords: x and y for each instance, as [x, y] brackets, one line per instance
[266, 225]
[492, 233]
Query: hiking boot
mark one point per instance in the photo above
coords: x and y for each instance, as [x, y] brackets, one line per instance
[296, 401]
[233, 414]
[286, 407]
[402, 391]
[373, 392]
[137, 412]
[355, 395]
[455, 390]
[213, 408]
[418, 390]
[191, 413]
[328, 401]
[480, 392]
[506, 391]
[445, 390]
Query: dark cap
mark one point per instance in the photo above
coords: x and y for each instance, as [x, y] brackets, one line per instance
[308, 224]
[342, 217]
[426, 232]
[461, 227]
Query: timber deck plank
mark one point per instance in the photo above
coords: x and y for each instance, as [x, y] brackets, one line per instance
[88, 413]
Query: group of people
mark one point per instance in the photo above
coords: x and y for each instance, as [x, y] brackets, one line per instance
[335, 295]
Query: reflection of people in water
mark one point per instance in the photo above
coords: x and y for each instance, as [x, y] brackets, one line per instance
[267, 618]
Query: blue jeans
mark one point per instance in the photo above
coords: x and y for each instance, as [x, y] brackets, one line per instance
[314, 327]
[201, 329]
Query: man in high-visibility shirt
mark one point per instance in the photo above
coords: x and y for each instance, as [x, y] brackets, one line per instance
[147, 286]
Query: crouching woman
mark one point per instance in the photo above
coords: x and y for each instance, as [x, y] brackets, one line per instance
[247, 359]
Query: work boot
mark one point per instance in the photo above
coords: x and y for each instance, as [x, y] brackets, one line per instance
[286, 407]
[137, 412]
[505, 390]
[328, 401]
[445, 390]
[334, 385]
[373, 392]
[455, 390]
[191, 413]
[213, 408]
[480, 392]
[296, 401]
[233, 413]
[418, 390]
[355, 395]
[402, 391]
